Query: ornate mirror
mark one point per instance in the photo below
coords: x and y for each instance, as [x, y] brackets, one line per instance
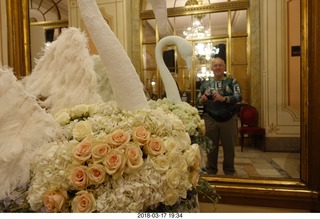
[298, 192]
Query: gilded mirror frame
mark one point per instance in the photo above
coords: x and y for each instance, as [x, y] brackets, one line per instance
[300, 193]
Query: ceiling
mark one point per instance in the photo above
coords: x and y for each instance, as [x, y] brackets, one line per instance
[46, 10]
[218, 22]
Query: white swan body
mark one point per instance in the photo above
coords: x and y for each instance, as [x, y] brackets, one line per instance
[159, 8]
[185, 49]
[125, 82]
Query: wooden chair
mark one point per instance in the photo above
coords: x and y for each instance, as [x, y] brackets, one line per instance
[248, 116]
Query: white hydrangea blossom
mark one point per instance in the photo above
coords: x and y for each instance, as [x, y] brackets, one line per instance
[184, 111]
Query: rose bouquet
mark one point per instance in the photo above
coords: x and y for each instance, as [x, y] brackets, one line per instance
[117, 161]
[114, 161]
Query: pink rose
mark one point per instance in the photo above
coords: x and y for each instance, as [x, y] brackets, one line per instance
[118, 138]
[82, 151]
[78, 177]
[134, 157]
[140, 135]
[114, 161]
[96, 174]
[83, 202]
[55, 200]
[154, 147]
[99, 152]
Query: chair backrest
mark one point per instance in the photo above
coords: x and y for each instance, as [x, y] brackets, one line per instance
[248, 116]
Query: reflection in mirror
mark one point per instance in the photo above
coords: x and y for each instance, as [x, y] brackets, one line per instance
[42, 34]
[239, 21]
[227, 26]
[219, 23]
[47, 18]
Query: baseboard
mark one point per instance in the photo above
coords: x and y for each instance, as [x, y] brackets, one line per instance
[282, 144]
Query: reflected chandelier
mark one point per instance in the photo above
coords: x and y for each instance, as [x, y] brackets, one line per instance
[196, 30]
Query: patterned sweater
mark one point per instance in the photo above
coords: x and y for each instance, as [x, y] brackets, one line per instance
[227, 87]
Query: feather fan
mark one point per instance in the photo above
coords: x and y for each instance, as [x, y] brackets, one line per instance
[64, 75]
[24, 127]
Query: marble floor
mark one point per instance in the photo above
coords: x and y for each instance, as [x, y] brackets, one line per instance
[253, 162]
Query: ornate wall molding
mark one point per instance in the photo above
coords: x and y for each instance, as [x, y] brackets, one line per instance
[187, 10]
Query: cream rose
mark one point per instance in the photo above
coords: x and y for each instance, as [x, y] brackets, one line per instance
[82, 151]
[83, 202]
[159, 163]
[134, 157]
[171, 145]
[193, 156]
[171, 197]
[140, 135]
[99, 152]
[154, 147]
[118, 138]
[79, 111]
[81, 130]
[96, 174]
[178, 125]
[78, 177]
[63, 118]
[173, 177]
[114, 161]
[181, 164]
[55, 200]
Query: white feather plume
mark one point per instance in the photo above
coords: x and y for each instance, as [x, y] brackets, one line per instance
[65, 74]
[24, 127]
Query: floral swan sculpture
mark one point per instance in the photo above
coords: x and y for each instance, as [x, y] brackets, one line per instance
[120, 156]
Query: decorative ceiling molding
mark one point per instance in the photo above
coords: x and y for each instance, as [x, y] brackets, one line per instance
[196, 9]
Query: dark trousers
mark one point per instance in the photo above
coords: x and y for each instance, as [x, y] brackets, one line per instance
[225, 132]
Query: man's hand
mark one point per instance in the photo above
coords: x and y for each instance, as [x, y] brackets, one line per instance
[204, 98]
[218, 97]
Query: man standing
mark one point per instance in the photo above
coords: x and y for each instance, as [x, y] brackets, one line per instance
[219, 97]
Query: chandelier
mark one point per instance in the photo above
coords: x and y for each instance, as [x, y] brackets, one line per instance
[204, 73]
[205, 51]
[196, 30]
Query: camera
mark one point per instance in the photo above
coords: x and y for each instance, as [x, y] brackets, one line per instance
[211, 92]
[209, 96]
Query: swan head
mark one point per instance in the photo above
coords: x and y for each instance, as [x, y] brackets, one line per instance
[185, 49]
